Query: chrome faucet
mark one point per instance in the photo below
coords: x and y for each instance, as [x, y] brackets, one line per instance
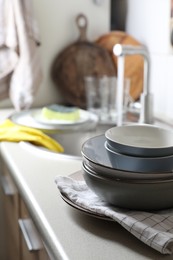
[146, 98]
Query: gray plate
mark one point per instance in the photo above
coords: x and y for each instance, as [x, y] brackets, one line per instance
[141, 140]
[95, 151]
[124, 175]
[79, 176]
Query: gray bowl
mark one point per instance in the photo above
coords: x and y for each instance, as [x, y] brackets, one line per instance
[139, 164]
[136, 195]
[141, 140]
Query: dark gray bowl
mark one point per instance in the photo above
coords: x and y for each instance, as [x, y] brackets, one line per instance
[136, 195]
[139, 164]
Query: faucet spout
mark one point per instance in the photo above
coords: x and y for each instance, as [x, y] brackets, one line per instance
[119, 50]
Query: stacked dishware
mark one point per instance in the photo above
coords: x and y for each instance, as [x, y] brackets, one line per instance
[131, 166]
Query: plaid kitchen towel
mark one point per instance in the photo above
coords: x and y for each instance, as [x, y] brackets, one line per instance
[153, 228]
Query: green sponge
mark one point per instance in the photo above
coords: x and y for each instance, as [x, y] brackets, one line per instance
[59, 112]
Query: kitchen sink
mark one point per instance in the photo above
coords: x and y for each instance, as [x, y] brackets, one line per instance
[71, 141]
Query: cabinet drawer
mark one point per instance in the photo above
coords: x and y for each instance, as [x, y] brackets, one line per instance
[10, 201]
[10, 194]
[22, 240]
[32, 245]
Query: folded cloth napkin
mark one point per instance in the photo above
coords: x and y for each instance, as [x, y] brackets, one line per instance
[153, 228]
[16, 133]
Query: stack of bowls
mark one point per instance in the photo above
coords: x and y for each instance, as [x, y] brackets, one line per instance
[131, 166]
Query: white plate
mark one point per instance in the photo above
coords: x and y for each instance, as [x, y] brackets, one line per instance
[25, 118]
[37, 115]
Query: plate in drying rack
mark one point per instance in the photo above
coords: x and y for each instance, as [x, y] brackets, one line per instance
[84, 117]
[27, 118]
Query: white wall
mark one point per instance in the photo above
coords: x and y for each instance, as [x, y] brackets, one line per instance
[162, 85]
[149, 21]
[56, 20]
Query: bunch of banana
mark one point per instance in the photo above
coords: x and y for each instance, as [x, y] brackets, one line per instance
[15, 133]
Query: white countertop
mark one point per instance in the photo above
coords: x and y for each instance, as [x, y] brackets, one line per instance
[68, 233]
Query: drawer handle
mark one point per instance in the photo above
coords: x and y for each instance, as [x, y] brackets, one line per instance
[7, 186]
[30, 235]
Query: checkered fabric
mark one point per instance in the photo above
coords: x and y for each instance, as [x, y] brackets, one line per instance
[153, 228]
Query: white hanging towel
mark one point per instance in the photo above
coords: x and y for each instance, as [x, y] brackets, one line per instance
[19, 53]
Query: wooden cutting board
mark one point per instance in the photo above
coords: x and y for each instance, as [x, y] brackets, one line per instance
[134, 65]
[80, 59]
